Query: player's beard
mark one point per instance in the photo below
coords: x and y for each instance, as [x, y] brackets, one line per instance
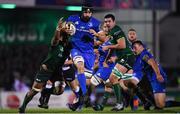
[85, 18]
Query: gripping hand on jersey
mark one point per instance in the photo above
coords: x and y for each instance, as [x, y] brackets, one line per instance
[104, 48]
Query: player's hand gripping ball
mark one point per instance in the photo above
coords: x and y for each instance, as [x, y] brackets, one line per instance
[70, 28]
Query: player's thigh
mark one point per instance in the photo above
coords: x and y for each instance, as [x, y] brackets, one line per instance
[117, 73]
[126, 63]
[78, 59]
[38, 86]
[89, 60]
[121, 68]
[41, 78]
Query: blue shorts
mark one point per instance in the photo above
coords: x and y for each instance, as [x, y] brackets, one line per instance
[138, 75]
[158, 87]
[104, 72]
[88, 59]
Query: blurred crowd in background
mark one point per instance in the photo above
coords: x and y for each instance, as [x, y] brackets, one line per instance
[111, 4]
[20, 62]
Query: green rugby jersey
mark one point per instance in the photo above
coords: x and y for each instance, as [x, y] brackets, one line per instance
[116, 33]
[57, 56]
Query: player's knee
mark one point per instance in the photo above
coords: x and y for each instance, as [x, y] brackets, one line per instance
[33, 92]
[59, 87]
[95, 80]
[113, 79]
[59, 92]
[160, 104]
[37, 87]
[80, 68]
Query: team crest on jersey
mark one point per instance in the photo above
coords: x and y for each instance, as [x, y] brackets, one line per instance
[122, 60]
[90, 24]
[98, 74]
[76, 23]
[61, 49]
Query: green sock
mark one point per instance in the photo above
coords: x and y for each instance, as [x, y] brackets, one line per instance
[117, 92]
[27, 99]
[105, 98]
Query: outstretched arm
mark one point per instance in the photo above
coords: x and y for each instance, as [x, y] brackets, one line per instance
[57, 36]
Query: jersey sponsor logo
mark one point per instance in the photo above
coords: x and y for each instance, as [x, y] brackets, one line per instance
[60, 55]
[82, 27]
[38, 80]
[117, 32]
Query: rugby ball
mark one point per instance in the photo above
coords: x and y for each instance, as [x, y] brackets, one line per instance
[71, 27]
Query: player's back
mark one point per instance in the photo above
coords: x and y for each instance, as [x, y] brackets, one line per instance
[83, 40]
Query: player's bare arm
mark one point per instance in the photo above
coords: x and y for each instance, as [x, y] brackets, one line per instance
[100, 35]
[57, 35]
[155, 67]
[121, 44]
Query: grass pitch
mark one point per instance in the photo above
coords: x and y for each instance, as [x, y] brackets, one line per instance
[91, 111]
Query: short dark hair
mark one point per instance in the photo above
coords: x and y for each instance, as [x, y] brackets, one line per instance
[132, 29]
[137, 42]
[110, 16]
[87, 7]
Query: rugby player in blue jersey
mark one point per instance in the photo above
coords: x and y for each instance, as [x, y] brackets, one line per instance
[82, 48]
[145, 63]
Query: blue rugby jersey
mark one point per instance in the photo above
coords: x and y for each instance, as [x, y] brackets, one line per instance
[82, 39]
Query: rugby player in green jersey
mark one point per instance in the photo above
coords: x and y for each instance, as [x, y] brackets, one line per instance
[58, 52]
[125, 57]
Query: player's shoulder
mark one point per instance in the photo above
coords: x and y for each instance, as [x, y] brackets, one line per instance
[73, 17]
[116, 30]
[146, 53]
[95, 20]
[117, 27]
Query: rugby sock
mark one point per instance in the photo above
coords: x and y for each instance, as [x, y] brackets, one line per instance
[77, 91]
[82, 82]
[117, 91]
[172, 103]
[141, 96]
[46, 93]
[87, 99]
[105, 98]
[28, 98]
[47, 97]
[150, 97]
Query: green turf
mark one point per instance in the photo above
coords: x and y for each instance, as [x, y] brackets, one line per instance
[91, 111]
